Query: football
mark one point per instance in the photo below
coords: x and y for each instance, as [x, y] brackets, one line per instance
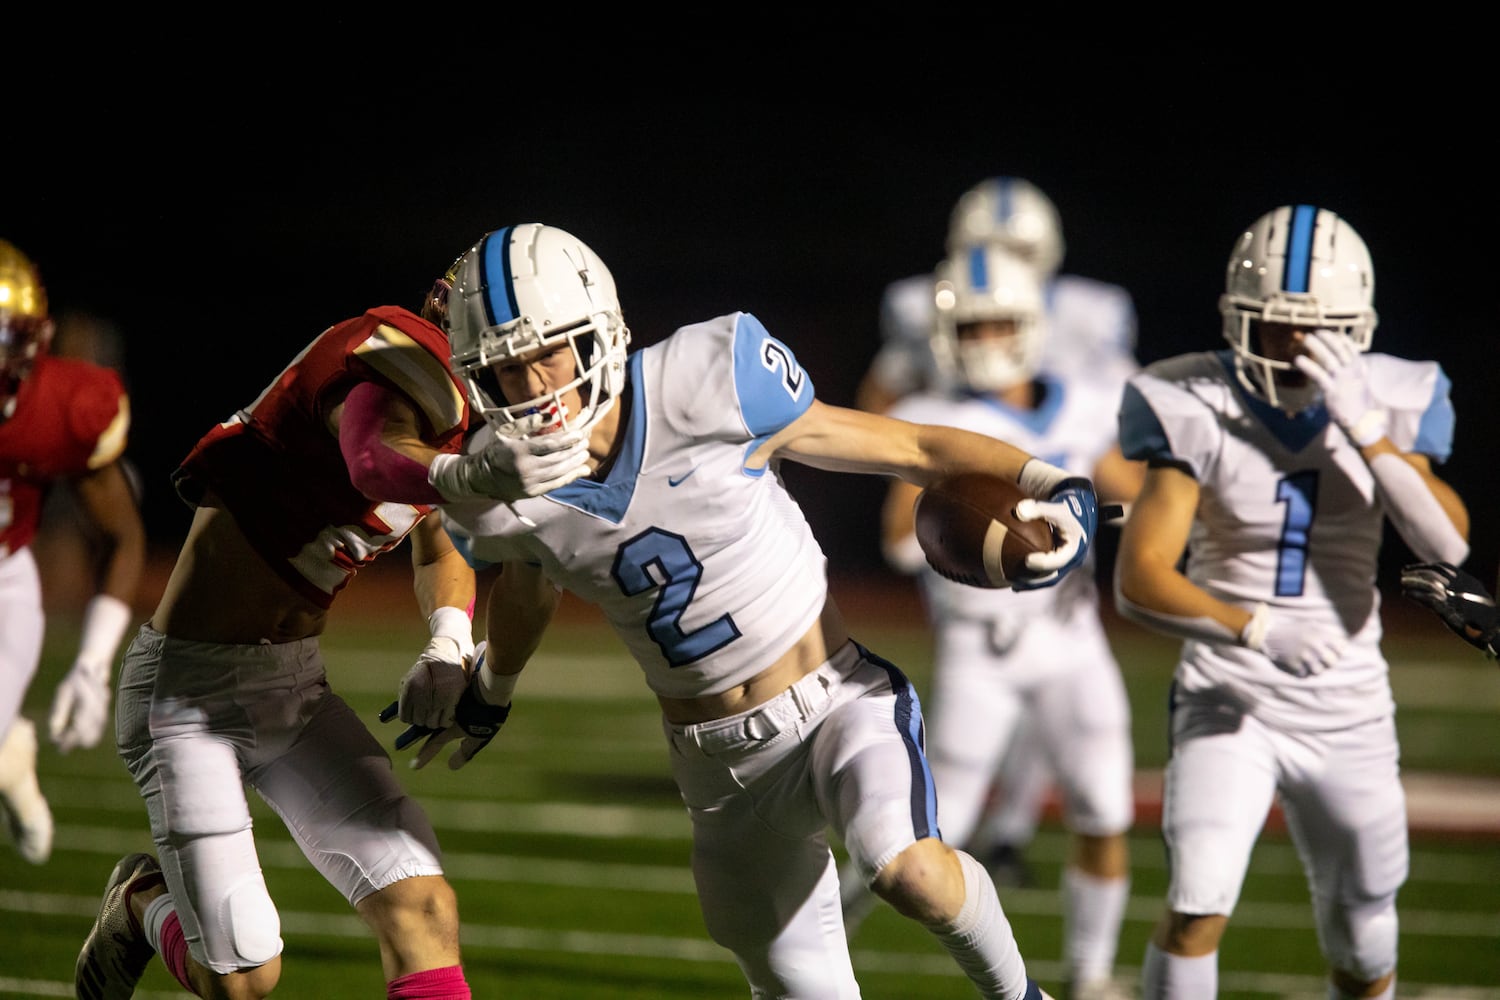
[968, 529]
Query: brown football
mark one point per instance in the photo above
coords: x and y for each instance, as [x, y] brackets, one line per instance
[968, 529]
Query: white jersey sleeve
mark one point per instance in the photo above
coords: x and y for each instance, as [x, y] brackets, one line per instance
[1288, 514]
[1091, 328]
[904, 362]
[705, 568]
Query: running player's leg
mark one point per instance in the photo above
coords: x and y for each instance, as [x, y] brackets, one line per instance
[1220, 784]
[873, 778]
[1084, 718]
[1346, 812]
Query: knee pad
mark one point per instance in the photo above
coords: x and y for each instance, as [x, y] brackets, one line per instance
[248, 921]
[1360, 939]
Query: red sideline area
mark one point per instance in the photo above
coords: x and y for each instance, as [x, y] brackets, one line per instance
[1437, 804]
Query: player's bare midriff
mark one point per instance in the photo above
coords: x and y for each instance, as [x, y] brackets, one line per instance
[827, 635]
[221, 590]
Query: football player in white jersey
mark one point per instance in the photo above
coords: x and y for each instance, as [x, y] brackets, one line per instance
[1043, 656]
[1091, 328]
[1272, 466]
[1092, 322]
[779, 725]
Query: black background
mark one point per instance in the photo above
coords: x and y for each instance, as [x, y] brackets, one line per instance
[221, 227]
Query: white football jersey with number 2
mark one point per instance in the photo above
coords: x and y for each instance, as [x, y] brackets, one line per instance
[705, 568]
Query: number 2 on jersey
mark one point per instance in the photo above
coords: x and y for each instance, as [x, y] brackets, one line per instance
[673, 561]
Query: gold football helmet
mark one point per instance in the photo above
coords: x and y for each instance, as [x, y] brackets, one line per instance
[25, 326]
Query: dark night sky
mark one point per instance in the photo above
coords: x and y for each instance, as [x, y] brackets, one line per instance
[222, 233]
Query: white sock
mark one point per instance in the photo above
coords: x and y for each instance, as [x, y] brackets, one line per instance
[156, 914]
[980, 939]
[1092, 911]
[1173, 977]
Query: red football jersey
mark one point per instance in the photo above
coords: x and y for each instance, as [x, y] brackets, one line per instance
[71, 416]
[278, 469]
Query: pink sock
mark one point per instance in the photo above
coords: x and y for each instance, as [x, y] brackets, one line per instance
[431, 984]
[174, 950]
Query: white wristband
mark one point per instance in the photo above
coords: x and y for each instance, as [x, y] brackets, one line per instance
[452, 623]
[496, 689]
[445, 473]
[1038, 479]
[1253, 635]
[1369, 428]
[104, 621]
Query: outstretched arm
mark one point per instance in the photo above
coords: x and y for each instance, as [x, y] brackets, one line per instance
[844, 440]
[839, 439]
[80, 706]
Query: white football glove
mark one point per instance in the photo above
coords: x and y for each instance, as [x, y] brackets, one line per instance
[512, 468]
[1073, 511]
[80, 707]
[1296, 647]
[475, 720]
[1337, 366]
[431, 688]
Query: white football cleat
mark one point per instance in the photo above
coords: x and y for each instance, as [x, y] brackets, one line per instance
[26, 811]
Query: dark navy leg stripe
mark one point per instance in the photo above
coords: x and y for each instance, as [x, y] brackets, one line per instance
[909, 722]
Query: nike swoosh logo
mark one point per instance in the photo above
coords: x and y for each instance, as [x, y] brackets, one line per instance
[679, 480]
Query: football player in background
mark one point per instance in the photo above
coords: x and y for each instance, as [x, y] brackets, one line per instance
[779, 725]
[1273, 465]
[1001, 657]
[340, 458]
[62, 421]
[1459, 600]
[1091, 329]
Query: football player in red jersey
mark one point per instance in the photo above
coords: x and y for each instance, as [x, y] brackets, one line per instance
[62, 420]
[341, 457]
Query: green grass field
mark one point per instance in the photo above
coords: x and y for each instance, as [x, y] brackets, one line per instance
[568, 845]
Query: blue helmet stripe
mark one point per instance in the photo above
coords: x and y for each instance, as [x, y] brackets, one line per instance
[979, 278]
[1003, 200]
[497, 278]
[1298, 272]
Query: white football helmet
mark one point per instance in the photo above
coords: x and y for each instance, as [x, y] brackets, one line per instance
[1013, 213]
[986, 283]
[1300, 265]
[525, 288]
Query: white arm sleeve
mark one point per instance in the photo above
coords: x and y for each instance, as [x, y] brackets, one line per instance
[1415, 512]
